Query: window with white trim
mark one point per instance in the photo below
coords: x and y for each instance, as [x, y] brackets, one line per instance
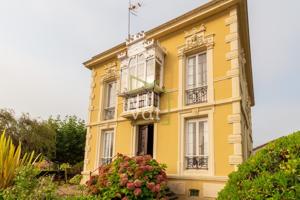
[140, 72]
[196, 79]
[196, 144]
[110, 100]
[106, 152]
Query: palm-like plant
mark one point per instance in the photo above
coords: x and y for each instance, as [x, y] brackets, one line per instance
[10, 160]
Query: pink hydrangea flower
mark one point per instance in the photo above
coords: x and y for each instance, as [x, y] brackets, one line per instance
[137, 183]
[137, 192]
[130, 186]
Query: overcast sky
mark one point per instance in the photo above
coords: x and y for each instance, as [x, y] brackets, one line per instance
[44, 42]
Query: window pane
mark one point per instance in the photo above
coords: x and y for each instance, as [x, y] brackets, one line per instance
[132, 74]
[150, 71]
[141, 71]
[111, 95]
[201, 138]
[206, 139]
[190, 139]
[107, 147]
[157, 73]
[202, 71]
[191, 72]
[124, 80]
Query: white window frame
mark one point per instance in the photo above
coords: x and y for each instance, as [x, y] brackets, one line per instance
[197, 85]
[196, 173]
[132, 84]
[107, 99]
[103, 148]
[197, 144]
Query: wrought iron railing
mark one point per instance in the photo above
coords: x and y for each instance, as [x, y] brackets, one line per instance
[196, 95]
[196, 162]
[142, 100]
[109, 113]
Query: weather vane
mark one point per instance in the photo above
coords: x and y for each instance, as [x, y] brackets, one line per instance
[132, 9]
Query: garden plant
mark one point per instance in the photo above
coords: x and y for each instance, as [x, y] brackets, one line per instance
[139, 177]
[272, 173]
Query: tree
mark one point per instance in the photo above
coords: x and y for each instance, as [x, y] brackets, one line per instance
[70, 139]
[272, 173]
[34, 135]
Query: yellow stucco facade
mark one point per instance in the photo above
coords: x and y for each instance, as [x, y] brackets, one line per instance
[220, 30]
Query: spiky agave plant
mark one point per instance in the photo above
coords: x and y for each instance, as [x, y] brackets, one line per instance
[10, 160]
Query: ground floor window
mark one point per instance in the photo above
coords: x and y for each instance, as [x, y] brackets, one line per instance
[196, 144]
[106, 153]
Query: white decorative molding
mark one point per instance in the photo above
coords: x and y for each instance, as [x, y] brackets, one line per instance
[231, 37]
[234, 118]
[111, 72]
[122, 55]
[234, 56]
[233, 139]
[197, 38]
[135, 38]
[235, 159]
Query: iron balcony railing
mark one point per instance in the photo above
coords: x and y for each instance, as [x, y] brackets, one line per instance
[142, 100]
[196, 95]
[196, 162]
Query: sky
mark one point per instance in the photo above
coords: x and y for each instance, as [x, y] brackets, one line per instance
[43, 44]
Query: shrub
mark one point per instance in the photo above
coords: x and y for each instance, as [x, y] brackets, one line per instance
[10, 160]
[28, 186]
[140, 177]
[272, 173]
[76, 179]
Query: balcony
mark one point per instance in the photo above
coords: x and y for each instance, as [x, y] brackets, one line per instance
[196, 95]
[139, 104]
[197, 162]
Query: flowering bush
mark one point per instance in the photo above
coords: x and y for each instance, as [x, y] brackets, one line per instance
[140, 177]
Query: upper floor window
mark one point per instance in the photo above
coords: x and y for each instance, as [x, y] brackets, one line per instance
[106, 152]
[141, 72]
[196, 79]
[196, 145]
[110, 100]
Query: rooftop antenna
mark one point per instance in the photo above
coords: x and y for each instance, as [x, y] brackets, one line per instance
[132, 9]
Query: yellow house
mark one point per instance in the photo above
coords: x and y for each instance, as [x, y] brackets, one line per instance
[181, 92]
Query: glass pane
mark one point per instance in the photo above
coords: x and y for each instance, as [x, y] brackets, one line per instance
[191, 72]
[201, 138]
[206, 143]
[124, 80]
[132, 74]
[190, 139]
[111, 95]
[150, 71]
[202, 71]
[157, 73]
[107, 147]
[141, 71]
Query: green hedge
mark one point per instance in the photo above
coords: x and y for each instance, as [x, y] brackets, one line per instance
[272, 173]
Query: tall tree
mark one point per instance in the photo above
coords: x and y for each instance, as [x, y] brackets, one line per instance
[70, 139]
